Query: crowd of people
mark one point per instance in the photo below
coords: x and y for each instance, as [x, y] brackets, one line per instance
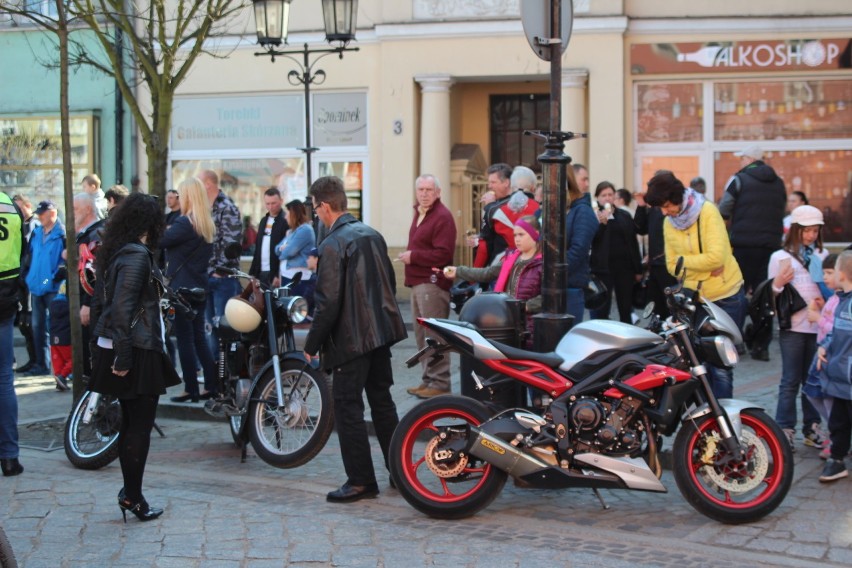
[739, 253]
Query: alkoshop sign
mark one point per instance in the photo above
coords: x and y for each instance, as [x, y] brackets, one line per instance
[726, 57]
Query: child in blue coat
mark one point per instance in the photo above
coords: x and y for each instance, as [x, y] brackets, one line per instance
[835, 362]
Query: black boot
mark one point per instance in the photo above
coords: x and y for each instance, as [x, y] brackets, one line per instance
[11, 467]
[25, 367]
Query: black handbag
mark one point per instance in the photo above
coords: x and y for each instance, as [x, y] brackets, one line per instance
[595, 293]
[640, 292]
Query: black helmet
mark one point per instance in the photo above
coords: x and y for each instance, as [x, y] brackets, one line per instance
[595, 293]
[461, 292]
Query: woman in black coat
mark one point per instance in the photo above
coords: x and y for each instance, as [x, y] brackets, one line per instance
[129, 360]
[615, 254]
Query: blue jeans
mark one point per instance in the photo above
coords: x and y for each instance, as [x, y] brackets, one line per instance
[219, 291]
[797, 352]
[193, 348]
[722, 380]
[576, 304]
[8, 400]
[41, 323]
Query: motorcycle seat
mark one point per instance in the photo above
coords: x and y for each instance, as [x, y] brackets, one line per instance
[549, 359]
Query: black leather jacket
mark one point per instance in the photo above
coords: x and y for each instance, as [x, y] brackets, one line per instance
[129, 304]
[356, 310]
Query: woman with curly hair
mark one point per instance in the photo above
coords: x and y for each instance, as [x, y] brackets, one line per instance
[130, 361]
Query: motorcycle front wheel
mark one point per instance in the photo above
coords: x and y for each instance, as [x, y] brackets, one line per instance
[735, 491]
[290, 435]
[93, 445]
[434, 485]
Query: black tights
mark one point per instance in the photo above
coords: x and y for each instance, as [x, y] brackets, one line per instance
[135, 439]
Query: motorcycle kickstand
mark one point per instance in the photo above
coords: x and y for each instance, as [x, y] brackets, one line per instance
[244, 451]
[600, 498]
[159, 430]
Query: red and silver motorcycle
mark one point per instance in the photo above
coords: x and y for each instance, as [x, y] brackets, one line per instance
[604, 398]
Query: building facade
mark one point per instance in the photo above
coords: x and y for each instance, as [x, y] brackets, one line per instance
[30, 147]
[447, 87]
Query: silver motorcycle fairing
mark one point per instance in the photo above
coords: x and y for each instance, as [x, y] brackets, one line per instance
[634, 472]
[481, 347]
[732, 407]
[723, 322]
[588, 337]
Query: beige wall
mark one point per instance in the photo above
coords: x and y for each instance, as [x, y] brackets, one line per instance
[733, 8]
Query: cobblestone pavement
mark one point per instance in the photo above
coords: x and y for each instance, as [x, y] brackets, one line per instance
[220, 512]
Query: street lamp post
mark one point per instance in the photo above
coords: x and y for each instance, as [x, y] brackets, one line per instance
[272, 18]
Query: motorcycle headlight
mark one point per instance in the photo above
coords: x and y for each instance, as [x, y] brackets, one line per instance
[297, 309]
[726, 350]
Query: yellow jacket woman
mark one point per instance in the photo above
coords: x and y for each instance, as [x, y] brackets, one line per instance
[707, 255]
[695, 231]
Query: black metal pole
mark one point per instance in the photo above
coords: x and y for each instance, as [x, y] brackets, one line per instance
[308, 149]
[554, 322]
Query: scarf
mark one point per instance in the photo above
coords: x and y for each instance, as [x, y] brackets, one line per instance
[689, 211]
[812, 263]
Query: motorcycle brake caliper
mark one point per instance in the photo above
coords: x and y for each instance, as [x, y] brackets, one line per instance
[445, 455]
[711, 443]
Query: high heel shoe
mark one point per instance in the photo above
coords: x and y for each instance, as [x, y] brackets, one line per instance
[11, 467]
[185, 397]
[141, 509]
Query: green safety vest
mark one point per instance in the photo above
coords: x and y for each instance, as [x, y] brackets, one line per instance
[11, 238]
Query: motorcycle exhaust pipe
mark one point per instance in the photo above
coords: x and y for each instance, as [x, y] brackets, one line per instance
[503, 455]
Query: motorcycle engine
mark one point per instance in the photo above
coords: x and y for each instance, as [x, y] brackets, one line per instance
[604, 426]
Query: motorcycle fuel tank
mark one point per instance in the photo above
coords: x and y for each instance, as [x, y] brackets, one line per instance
[588, 337]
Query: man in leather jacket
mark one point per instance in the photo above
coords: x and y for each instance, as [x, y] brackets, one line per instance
[356, 320]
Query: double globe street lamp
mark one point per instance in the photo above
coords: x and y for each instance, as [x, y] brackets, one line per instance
[273, 17]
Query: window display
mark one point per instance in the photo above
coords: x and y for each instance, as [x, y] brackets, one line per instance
[245, 180]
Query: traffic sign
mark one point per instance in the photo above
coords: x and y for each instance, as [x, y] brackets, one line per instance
[535, 15]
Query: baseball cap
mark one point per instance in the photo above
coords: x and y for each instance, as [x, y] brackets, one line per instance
[45, 206]
[314, 252]
[752, 151]
[806, 216]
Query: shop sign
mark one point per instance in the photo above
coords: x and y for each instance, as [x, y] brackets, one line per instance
[339, 119]
[229, 123]
[727, 57]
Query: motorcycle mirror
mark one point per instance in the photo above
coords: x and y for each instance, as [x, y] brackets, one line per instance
[648, 311]
[233, 251]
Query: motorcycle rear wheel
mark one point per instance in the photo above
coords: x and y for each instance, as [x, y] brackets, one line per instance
[291, 436]
[463, 488]
[93, 445]
[738, 492]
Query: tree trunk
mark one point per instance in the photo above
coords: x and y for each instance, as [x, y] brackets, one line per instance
[72, 286]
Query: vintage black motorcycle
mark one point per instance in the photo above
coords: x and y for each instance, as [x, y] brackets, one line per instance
[603, 400]
[272, 397]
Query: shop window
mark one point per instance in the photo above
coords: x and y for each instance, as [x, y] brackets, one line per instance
[782, 110]
[685, 168]
[825, 176]
[245, 180]
[669, 112]
[31, 154]
[352, 174]
[510, 116]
